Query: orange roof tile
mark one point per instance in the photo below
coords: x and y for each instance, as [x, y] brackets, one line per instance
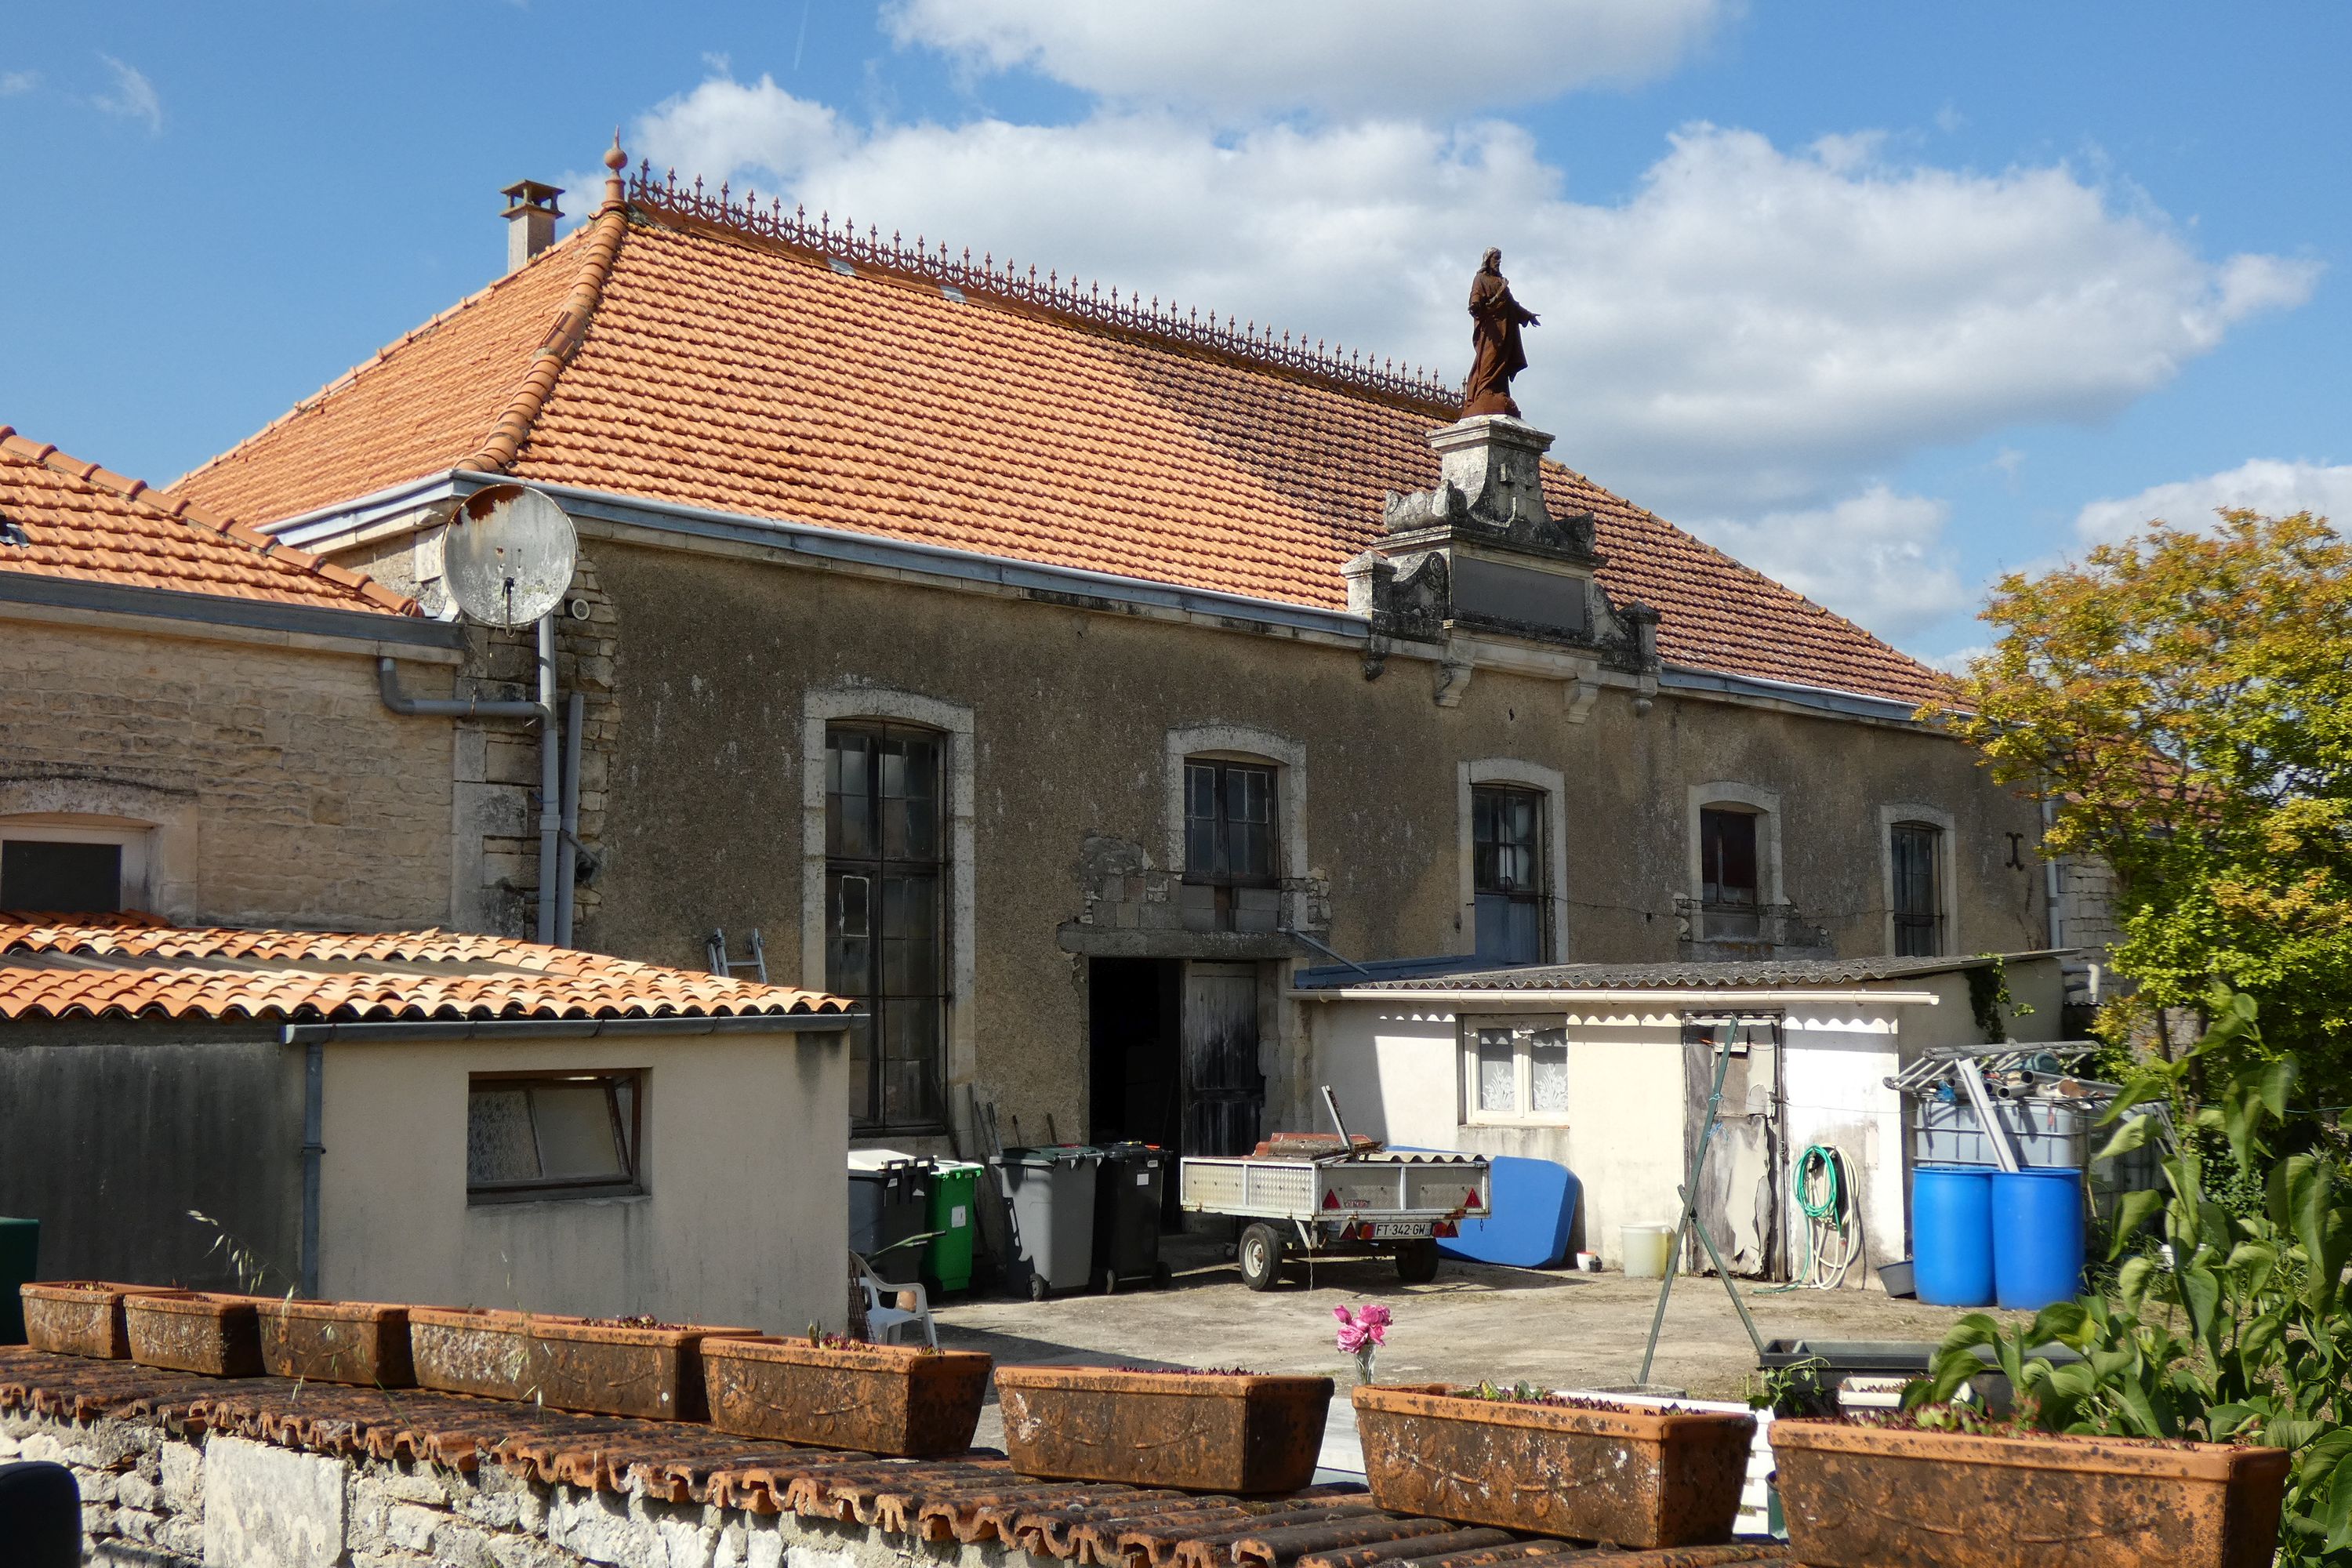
[60, 517]
[661, 355]
[70, 966]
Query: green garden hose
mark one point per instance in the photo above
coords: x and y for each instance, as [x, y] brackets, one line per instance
[1821, 1184]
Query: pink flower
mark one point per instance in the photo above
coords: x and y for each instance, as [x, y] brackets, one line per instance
[1360, 1330]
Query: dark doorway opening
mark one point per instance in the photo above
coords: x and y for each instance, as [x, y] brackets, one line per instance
[1136, 1015]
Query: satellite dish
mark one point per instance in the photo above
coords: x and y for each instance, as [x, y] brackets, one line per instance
[507, 556]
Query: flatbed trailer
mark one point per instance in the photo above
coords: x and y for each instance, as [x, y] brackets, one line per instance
[1351, 1203]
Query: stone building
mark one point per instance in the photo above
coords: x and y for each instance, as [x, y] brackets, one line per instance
[189, 717]
[1055, 671]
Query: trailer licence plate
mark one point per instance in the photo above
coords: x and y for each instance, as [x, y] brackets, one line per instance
[1399, 1229]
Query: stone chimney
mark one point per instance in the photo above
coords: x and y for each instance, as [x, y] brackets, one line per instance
[531, 217]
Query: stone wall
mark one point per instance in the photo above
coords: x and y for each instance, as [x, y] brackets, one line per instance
[160, 1501]
[278, 789]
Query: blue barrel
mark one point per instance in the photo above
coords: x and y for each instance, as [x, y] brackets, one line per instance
[2037, 1237]
[1951, 1235]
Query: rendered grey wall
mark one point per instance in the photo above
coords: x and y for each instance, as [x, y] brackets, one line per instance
[111, 1132]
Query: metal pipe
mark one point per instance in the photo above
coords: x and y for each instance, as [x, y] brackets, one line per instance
[387, 682]
[551, 778]
[313, 1128]
[2049, 877]
[567, 855]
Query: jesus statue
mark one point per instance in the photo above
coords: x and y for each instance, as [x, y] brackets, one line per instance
[1496, 318]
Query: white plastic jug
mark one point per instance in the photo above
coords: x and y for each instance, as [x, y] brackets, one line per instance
[1645, 1247]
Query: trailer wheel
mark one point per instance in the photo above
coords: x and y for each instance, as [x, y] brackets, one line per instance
[1416, 1261]
[1261, 1256]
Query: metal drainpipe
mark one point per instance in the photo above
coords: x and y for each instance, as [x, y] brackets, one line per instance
[2049, 877]
[567, 858]
[550, 754]
[551, 779]
[313, 1128]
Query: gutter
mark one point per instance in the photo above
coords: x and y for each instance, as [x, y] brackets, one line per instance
[220, 610]
[673, 1026]
[1506, 1000]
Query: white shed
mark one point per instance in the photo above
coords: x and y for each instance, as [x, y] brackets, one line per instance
[1605, 1069]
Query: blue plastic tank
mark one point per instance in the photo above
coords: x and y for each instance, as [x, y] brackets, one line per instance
[1951, 1235]
[2037, 1237]
[1534, 1208]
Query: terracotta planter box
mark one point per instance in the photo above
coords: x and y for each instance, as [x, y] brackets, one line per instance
[1635, 1478]
[611, 1370]
[884, 1399]
[196, 1331]
[472, 1350]
[79, 1317]
[1865, 1497]
[1199, 1431]
[359, 1342]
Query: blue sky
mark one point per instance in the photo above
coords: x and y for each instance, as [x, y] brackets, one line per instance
[1885, 299]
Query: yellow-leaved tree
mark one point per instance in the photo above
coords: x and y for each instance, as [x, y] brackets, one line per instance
[2184, 699]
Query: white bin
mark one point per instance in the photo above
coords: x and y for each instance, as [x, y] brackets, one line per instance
[1645, 1247]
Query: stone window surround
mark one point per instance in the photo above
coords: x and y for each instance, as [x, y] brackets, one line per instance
[1765, 804]
[1523, 1028]
[1946, 852]
[1243, 744]
[1552, 785]
[156, 827]
[953, 719]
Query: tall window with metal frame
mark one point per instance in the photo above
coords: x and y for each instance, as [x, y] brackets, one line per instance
[1917, 849]
[885, 916]
[1229, 841]
[1507, 875]
[1729, 890]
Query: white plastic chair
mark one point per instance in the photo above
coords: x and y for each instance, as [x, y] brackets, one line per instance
[883, 1322]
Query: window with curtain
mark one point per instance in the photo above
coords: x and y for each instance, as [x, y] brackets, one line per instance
[1509, 872]
[1517, 1072]
[1917, 851]
[885, 914]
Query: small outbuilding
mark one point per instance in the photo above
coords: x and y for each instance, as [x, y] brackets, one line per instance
[1606, 1068]
[421, 1116]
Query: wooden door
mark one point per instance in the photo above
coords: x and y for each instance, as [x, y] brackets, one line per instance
[1224, 1091]
[1740, 1187]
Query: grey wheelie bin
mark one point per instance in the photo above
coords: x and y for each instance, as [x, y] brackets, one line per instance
[1049, 1199]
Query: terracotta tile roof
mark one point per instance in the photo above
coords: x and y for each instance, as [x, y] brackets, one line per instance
[661, 354]
[68, 966]
[60, 517]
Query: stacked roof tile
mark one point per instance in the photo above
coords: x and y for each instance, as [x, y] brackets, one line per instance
[60, 517]
[658, 353]
[70, 966]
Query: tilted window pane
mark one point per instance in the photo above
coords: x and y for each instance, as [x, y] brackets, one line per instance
[1498, 1071]
[865, 1102]
[577, 1139]
[499, 1144]
[1548, 1070]
[848, 955]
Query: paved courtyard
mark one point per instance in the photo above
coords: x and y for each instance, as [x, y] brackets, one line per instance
[1557, 1328]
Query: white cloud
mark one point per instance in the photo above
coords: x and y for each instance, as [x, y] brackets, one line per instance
[1752, 329]
[2267, 486]
[1875, 557]
[15, 82]
[133, 97]
[1378, 57]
